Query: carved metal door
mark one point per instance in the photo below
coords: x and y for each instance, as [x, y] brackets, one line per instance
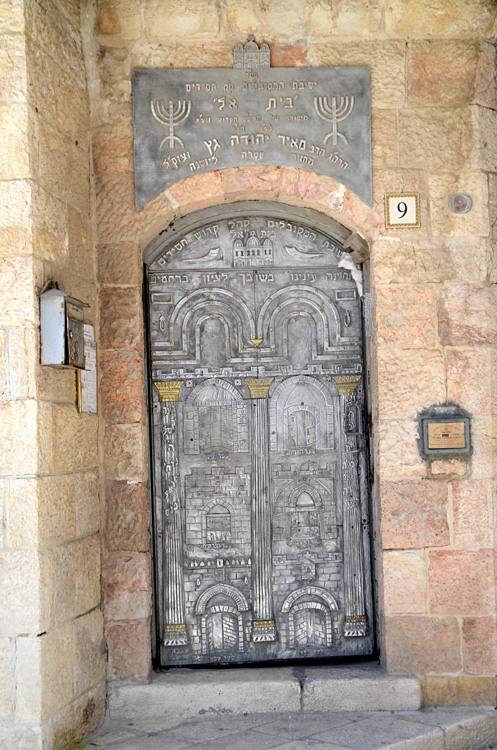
[260, 475]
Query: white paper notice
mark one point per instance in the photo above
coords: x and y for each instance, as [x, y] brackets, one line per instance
[89, 374]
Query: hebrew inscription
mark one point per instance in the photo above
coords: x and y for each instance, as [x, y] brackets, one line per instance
[192, 121]
[261, 490]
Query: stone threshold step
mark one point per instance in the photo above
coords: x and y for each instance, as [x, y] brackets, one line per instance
[183, 693]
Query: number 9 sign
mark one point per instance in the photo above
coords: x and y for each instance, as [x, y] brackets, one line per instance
[402, 210]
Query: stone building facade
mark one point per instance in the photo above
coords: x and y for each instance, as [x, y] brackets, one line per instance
[76, 605]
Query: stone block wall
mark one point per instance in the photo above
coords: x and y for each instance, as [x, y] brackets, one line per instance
[52, 667]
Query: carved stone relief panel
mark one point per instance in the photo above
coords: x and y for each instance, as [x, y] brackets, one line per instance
[259, 470]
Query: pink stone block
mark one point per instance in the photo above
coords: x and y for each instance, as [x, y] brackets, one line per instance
[129, 650]
[470, 376]
[466, 315]
[405, 317]
[479, 647]
[413, 514]
[198, 191]
[417, 645]
[472, 513]
[127, 587]
[122, 386]
[121, 323]
[404, 582]
[127, 518]
[461, 583]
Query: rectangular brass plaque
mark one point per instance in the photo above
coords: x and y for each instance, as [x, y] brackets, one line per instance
[446, 435]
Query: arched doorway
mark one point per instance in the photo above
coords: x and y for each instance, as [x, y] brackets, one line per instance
[259, 454]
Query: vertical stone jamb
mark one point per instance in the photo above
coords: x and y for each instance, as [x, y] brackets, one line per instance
[356, 621]
[175, 632]
[263, 624]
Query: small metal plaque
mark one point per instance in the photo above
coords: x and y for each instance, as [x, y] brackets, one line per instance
[192, 121]
[402, 210]
[443, 435]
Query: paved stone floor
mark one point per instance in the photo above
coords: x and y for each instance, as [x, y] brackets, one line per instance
[428, 729]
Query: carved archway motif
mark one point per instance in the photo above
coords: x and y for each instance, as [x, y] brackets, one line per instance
[225, 615]
[226, 590]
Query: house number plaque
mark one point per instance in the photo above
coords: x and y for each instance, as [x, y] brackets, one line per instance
[191, 121]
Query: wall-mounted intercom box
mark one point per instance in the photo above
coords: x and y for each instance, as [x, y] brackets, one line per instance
[62, 321]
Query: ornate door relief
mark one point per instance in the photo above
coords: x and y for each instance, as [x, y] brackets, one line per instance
[260, 478]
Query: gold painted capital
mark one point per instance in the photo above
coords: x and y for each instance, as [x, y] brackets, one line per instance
[259, 388]
[263, 624]
[174, 628]
[347, 384]
[169, 391]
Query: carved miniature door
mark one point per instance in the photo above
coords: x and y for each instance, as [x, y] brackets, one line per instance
[260, 478]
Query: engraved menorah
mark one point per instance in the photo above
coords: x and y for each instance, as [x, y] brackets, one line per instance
[170, 116]
[334, 112]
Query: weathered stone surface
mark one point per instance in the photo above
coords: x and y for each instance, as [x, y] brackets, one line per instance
[18, 277]
[352, 15]
[124, 458]
[121, 386]
[192, 19]
[385, 58]
[472, 513]
[384, 138]
[404, 583]
[24, 738]
[289, 56]
[397, 446]
[457, 18]
[127, 587]
[87, 503]
[408, 380]
[460, 690]
[485, 148]
[129, 650]
[442, 72]
[469, 379]
[15, 162]
[479, 646]
[127, 518]
[439, 259]
[15, 205]
[18, 436]
[465, 315]
[486, 83]
[12, 17]
[483, 436]
[75, 445]
[405, 317]
[13, 75]
[121, 319]
[43, 674]
[123, 19]
[6, 664]
[413, 514]
[431, 138]
[74, 722]
[239, 183]
[182, 54]
[417, 645]
[22, 513]
[461, 582]
[443, 221]
[88, 651]
[198, 191]
[448, 468]
[241, 17]
[119, 264]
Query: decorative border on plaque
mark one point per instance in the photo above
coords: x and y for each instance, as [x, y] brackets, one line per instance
[408, 216]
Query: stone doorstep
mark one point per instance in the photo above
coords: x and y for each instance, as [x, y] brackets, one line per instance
[184, 693]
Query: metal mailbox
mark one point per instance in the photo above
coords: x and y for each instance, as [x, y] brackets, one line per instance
[62, 321]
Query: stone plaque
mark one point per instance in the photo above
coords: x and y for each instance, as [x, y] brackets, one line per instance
[192, 121]
[443, 435]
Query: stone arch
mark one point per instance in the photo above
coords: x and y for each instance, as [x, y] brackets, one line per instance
[225, 589]
[317, 591]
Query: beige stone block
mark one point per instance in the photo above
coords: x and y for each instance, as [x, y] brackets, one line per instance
[413, 514]
[485, 148]
[80, 244]
[125, 458]
[56, 385]
[405, 317]
[87, 503]
[437, 259]
[486, 76]
[15, 162]
[71, 579]
[460, 690]
[49, 226]
[18, 435]
[240, 16]
[384, 138]
[13, 74]
[472, 513]
[22, 504]
[127, 587]
[408, 380]
[470, 379]
[23, 354]
[6, 668]
[45, 437]
[113, 141]
[479, 648]
[116, 215]
[18, 278]
[4, 388]
[466, 315]
[57, 518]
[3, 516]
[75, 445]
[72, 724]
[43, 675]
[72, 112]
[22, 738]
[192, 19]
[417, 645]
[430, 138]
[12, 17]
[448, 469]
[397, 449]
[442, 72]
[461, 582]
[180, 54]
[456, 18]
[88, 651]
[20, 592]
[399, 181]
[123, 20]
[404, 583]
[385, 58]
[42, 80]
[129, 650]
[352, 15]
[443, 220]
[15, 211]
[281, 20]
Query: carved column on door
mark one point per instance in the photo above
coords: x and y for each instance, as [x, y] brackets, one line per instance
[356, 620]
[263, 625]
[175, 632]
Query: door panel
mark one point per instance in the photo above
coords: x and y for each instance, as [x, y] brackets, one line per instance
[260, 483]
